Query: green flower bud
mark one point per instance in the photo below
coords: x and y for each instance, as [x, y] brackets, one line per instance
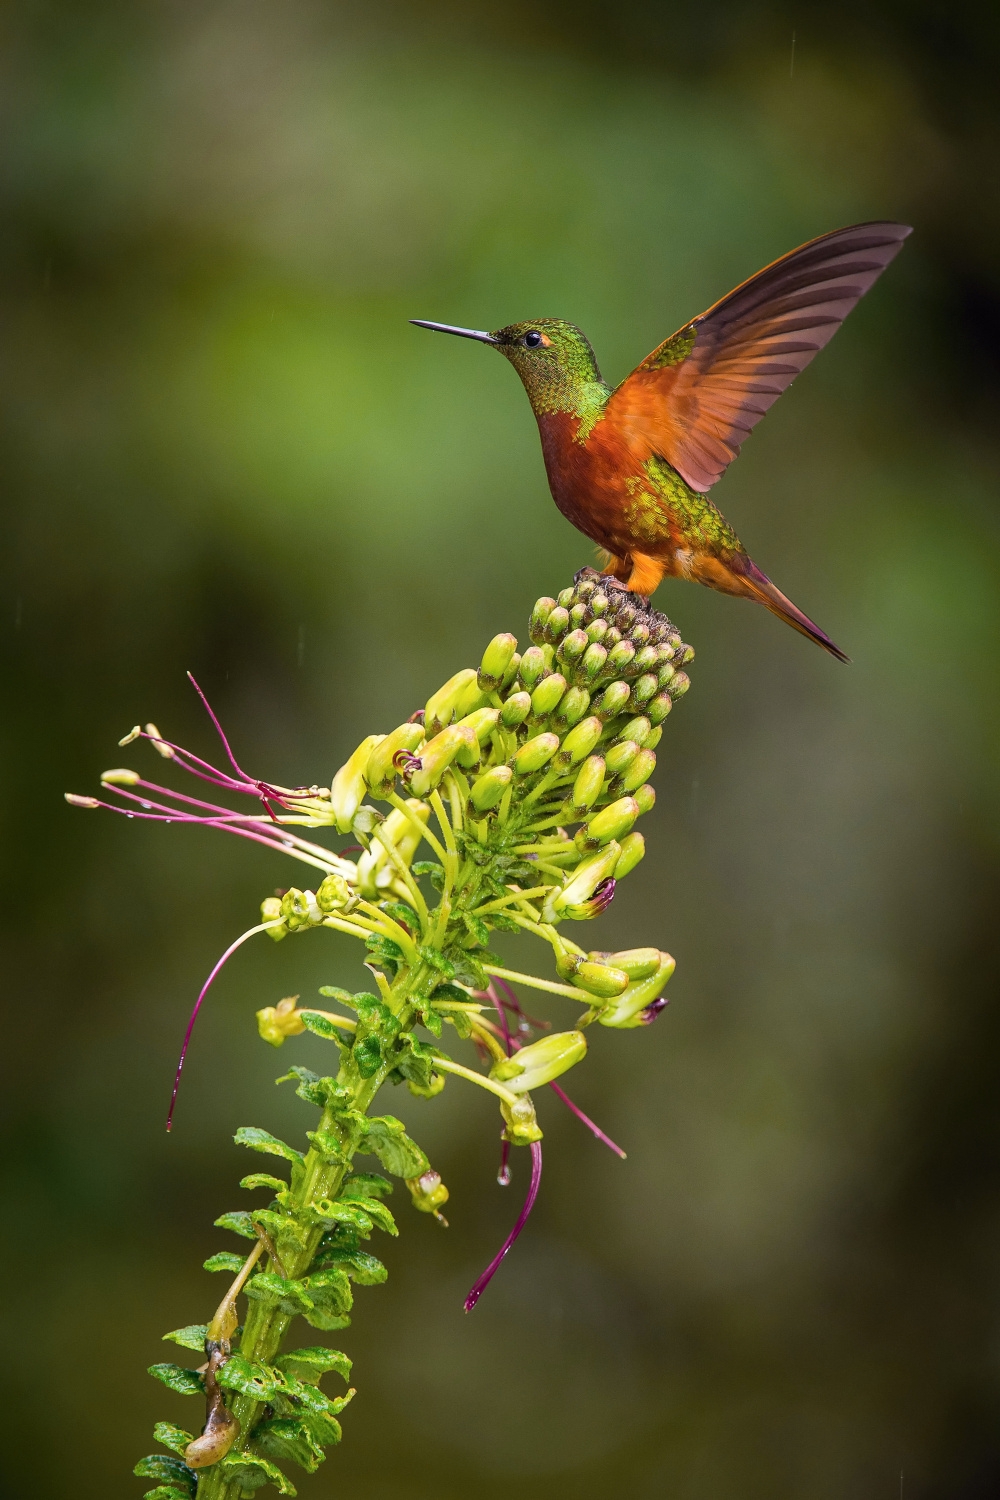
[567, 598]
[556, 625]
[653, 738]
[639, 635]
[511, 672]
[588, 785]
[629, 1010]
[599, 602]
[536, 753]
[658, 709]
[644, 689]
[438, 754]
[578, 616]
[645, 659]
[270, 910]
[470, 699]
[646, 797]
[638, 729]
[572, 707]
[612, 637]
[441, 705]
[579, 742]
[532, 666]
[381, 771]
[681, 682]
[482, 723]
[490, 787]
[612, 822]
[638, 963]
[635, 774]
[572, 647]
[541, 1062]
[579, 899]
[612, 700]
[300, 909]
[547, 695]
[620, 656]
[587, 585]
[601, 979]
[334, 893]
[515, 710]
[543, 608]
[428, 1193]
[625, 614]
[275, 1022]
[376, 871]
[522, 1126]
[620, 755]
[665, 675]
[496, 660]
[597, 630]
[593, 661]
[348, 788]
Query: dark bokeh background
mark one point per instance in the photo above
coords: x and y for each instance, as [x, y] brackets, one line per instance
[226, 450]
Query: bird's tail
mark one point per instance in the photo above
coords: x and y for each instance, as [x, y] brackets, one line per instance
[757, 585]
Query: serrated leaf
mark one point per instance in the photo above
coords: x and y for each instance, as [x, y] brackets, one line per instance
[311, 1363]
[333, 1211]
[238, 1222]
[165, 1466]
[365, 1185]
[400, 912]
[414, 1061]
[328, 1146]
[310, 1084]
[191, 1337]
[334, 992]
[379, 1213]
[252, 1473]
[460, 1020]
[289, 1438]
[177, 1378]
[167, 1492]
[291, 1296]
[330, 1292]
[278, 1225]
[432, 1020]
[437, 960]
[503, 923]
[250, 1378]
[477, 928]
[469, 969]
[387, 1139]
[225, 1260]
[361, 1267]
[367, 1054]
[172, 1437]
[263, 1140]
[264, 1179]
[322, 1026]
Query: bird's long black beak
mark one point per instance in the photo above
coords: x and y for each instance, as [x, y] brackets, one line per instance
[465, 333]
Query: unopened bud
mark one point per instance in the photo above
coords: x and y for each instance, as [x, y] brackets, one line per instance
[628, 1010]
[579, 742]
[536, 753]
[572, 646]
[646, 798]
[532, 666]
[599, 602]
[638, 729]
[348, 787]
[539, 615]
[659, 707]
[621, 656]
[578, 899]
[275, 1022]
[441, 705]
[496, 660]
[612, 822]
[597, 630]
[645, 660]
[556, 625]
[522, 1125]
[382, 770]
[637, 963]
[578, 616]
[438, 754]
[515, 710]
[603, 980]
[588, 784]
[639, 634]
[572, 706]
[159, 745]
[470, 699]
[270, 911]
[428, 1193]
[489, 788]
[333, 894]
[665, 675]
[482, 722]
[620, 755]
[593, 661]
[680, 684]
[511, 672]
[121, 777]
[547, 695]
[612, 701]
[635, 774]
[540, 1062]
[633, 850]
[300, 909]
[567, 596]
[644, 688]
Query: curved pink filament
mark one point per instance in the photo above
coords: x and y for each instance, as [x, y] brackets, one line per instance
[261, 927]
[586, 1120]
[483, 1281]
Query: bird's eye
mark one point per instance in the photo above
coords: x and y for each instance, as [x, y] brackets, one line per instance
[532, 339]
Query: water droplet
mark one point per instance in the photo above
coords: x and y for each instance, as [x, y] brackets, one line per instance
[130, 815]
[167, 820]
[146, 805]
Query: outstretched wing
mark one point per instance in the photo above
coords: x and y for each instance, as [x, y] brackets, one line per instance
[696, 398]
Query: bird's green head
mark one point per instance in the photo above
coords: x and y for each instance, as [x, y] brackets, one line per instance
[553, 358]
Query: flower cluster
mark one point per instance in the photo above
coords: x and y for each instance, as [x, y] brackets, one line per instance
[522, 780]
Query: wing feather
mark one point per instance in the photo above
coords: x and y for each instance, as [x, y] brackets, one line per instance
[697, 397]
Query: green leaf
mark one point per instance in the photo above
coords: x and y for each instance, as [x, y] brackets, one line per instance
[184, 1382]
[311, 1363]
[477, 927]
[252, 1473]
[432, 1020]
[167, 1492]
[460, 1020]
[225, 1260]
[365, 1185]
[278, 1225]
[191, 1337]
[361, 1267]
[387, 1139]
[250, 1378]
[264, 1179]
[238, 1221]
[321, 1025]
[263, 1140]
[333, 992]
[503, 923]
[172, 1437]
[268, 1286]
[330, 1292]
[164, 1466]
[414, 1060]
[380, 1215]
[437, 960]
[333, 1211]
[310, 1084]
[367, 1056]
[469, 969]
[289, 1438]
[400, 912]
[329, 1146]
[432, 869]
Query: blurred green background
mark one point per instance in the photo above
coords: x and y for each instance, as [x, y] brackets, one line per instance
[226, 450]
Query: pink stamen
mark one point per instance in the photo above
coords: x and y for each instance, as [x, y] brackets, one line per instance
[483, 1281]
[514, 1004]
[261, 927]
[219, 730]
[586, 1120]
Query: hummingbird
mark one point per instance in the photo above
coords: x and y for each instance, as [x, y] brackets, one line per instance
[631, 466]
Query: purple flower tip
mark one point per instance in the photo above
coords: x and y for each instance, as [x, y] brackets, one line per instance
[484, 1280]
[652, 1011]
